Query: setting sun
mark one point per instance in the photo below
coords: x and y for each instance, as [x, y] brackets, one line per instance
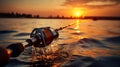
[77, 12]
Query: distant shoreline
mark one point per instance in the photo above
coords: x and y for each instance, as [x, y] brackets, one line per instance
[18, 15]
[90, 17]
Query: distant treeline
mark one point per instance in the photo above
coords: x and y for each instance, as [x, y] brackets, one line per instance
[23, 15]
[17, 15]
[102, 18]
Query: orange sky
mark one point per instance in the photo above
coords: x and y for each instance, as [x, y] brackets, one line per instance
[62, 7]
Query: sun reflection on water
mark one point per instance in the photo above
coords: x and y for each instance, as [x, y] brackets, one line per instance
[77, 24]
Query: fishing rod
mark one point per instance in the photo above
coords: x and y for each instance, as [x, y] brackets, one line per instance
[39, 37]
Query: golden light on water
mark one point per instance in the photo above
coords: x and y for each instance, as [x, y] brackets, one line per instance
[77, 24]
[78, 31]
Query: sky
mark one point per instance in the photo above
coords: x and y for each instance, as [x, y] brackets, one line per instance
[62, 7]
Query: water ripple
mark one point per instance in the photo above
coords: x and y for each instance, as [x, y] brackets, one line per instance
[7, 31]
[22, 34]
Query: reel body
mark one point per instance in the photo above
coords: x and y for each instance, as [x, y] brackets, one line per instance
[44, 36]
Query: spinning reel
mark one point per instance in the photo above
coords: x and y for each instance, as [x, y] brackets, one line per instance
[44, 36]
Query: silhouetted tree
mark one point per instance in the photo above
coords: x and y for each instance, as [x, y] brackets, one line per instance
[57, 16]
[36, 16]
[62, 17]
[12, 14]
[50, 16]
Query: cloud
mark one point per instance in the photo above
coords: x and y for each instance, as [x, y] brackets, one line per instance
[91, 3]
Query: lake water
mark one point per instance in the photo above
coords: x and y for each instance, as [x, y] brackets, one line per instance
[87, 37]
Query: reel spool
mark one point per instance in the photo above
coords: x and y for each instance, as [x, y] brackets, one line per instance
[44, 36]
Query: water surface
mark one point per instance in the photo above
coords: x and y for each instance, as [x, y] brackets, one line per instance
[85, 37]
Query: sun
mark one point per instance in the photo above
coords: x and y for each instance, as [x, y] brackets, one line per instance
[77, 12]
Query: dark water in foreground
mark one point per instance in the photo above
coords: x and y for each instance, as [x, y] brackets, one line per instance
[88, 43]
